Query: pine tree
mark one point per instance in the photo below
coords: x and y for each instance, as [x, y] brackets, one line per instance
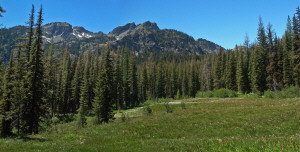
[92, 79]
[218, 69]
[287, 47]
[119, 81]
[66, 82]
[223, 63]
[206, 74]
[259, 64]
[240, 75]
[246, 65]
[34, 82]
[76, 85]
[84, 97]
[193, 82]
[185, 84]
[152, 77]
[144, 83]
[250, 68]
[104, 99]
[174, 81]
[30, 33]
[126, 83]
[272, 67]
[160, 83]
[279, 74]
[7, 101]
[168, 84]
[72, 70]
[18, 90]
[296, 48]
[133, 81]
[230, 72]
[51, 68]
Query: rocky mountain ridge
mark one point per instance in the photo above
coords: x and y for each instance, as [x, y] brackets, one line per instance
[142, 38]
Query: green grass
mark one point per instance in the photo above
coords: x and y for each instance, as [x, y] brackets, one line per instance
[205, 125]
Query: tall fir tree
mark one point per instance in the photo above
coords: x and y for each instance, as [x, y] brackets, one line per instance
[160, 83]
[76, 85]
[92, 78]
[30, 33]
[34, 79]
[118, 79]
[84, 96]
[8, 98]
[279, 74]
[259, 64]
[218, 68]
[19, 93]
[152, 77]
[104, 99]
[126, 76]
[296, 48]
[287, 47]
[193, 81]
[174, 81]
[144, 83]
[72, 70]
[133, 81]
[167, 83]
[185, 83]
[51, 68]
[66, 82]
[272, 68]
[246, 65]
[240, 75]
[230, 71]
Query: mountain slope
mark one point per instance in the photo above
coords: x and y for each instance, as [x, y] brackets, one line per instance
[142, 38]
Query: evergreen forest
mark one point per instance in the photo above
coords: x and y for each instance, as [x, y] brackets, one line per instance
[41, 85]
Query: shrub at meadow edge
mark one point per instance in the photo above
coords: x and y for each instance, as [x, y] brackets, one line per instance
[224, 93]
[291, 92]
[220, 93]
[206, 94]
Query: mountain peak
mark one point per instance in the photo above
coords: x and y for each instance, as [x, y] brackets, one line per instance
[121, 29]
[57, 31]
[150, 25]
[61, 31]
[58, 24]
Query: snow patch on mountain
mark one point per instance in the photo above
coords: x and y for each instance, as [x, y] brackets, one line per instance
[47, 39]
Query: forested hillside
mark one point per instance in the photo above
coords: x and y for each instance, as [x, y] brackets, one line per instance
[38, 85]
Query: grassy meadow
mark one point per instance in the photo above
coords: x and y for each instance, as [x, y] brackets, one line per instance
[214, 124]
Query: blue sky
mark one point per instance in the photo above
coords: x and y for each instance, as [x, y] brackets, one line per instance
[224, 22]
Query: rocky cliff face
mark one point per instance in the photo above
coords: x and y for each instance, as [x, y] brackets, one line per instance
[142, 38]
[61, 31]
[148, 37]
[122, 30]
